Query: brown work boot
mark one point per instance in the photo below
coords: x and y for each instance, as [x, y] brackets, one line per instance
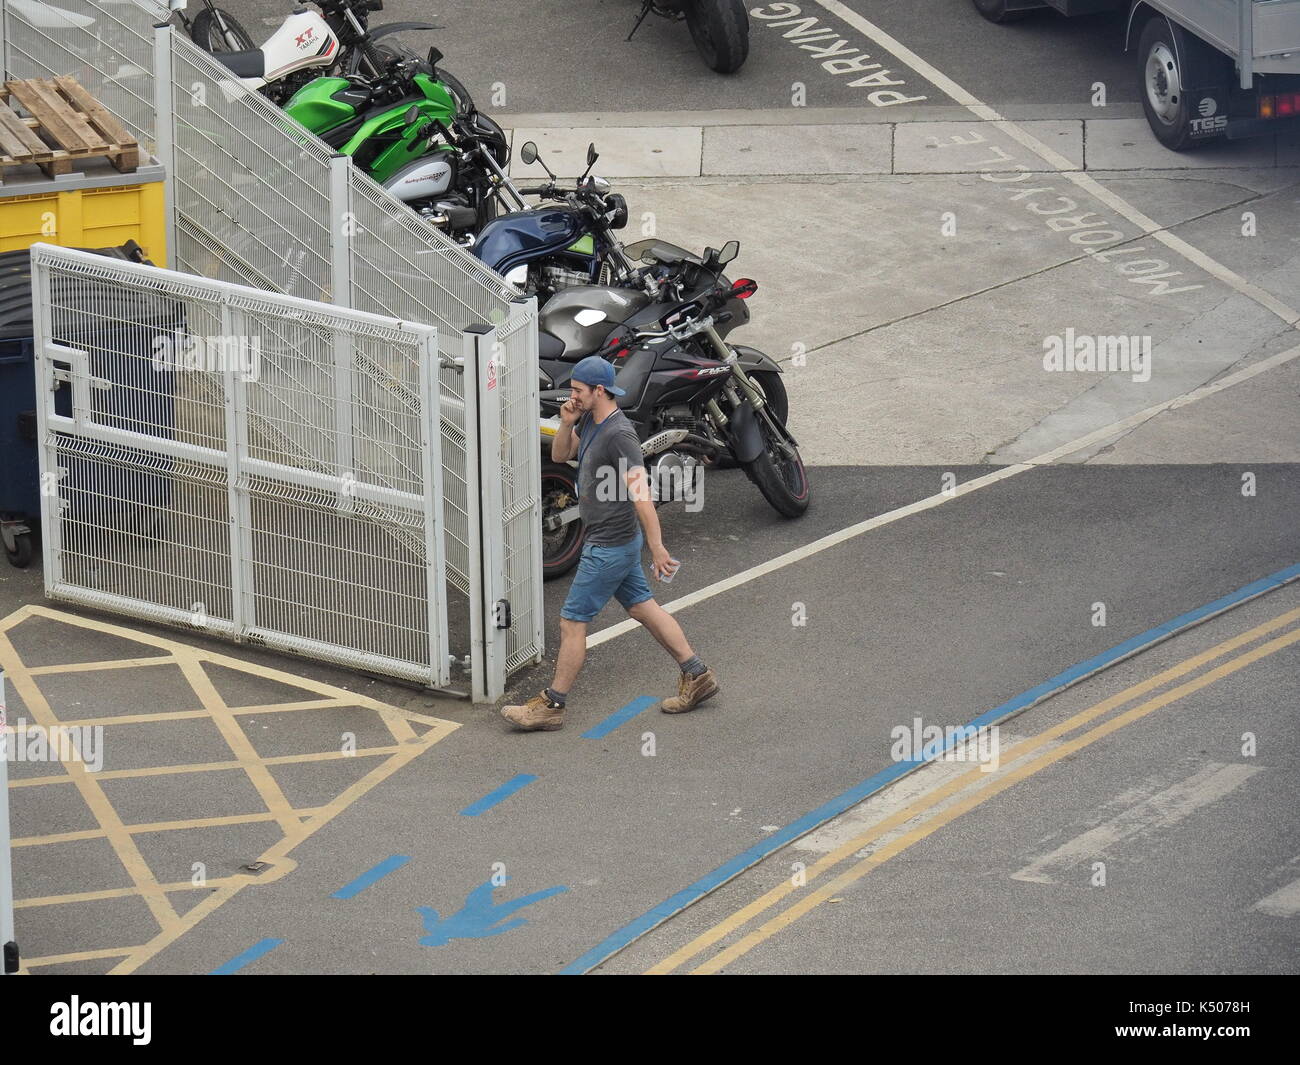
[691, 691]
[539, 714]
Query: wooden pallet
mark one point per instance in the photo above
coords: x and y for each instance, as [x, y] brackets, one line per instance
[66, 123]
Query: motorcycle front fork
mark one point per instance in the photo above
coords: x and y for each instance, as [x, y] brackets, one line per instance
[740, 381]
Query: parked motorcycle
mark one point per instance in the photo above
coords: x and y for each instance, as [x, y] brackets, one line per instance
[307, 44]
[216, 30]
[693, 397]
[719, 28]
[407, 130]
[556, 245]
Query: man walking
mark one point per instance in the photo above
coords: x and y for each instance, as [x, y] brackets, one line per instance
[613, 494]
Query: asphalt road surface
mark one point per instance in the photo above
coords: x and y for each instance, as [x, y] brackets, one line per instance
[571, 56]
[991, 541]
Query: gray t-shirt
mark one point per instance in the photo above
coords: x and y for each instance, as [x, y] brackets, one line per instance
[607, 450]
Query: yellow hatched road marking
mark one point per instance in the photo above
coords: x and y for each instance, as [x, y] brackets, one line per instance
[295, 825]
[210, 767]
[91, 793]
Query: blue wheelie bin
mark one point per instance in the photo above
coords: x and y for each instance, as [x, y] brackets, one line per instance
[133, 491]
[20, 500]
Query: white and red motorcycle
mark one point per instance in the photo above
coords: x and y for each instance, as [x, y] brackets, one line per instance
[308, 44]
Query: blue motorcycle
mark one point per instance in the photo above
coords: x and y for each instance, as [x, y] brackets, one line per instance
[560, 244]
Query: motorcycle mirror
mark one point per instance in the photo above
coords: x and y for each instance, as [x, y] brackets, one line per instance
[412, 113]
[435, 57]
[529, 155]
[729, 251]
[591, 161]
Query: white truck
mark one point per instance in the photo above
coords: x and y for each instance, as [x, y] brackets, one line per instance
[1208, 68]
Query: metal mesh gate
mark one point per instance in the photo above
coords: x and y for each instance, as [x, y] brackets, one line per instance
[259, 202]
[249, 464]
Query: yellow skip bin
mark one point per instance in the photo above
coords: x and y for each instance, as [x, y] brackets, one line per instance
[87, 209]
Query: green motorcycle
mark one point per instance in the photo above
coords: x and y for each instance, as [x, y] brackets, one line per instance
[415, 131]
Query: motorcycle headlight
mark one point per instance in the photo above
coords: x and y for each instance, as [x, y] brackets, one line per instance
[616, 211]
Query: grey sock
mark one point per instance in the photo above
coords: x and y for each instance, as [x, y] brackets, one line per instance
[693, 667]
[556, 697]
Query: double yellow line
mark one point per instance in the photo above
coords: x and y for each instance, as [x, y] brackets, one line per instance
[810, 899]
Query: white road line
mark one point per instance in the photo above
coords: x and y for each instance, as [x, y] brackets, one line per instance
[1162, 810]
[1097, 436]
[1284, 902]
[1083, 180]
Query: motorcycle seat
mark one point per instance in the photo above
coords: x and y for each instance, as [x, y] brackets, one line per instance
[549, 346]
[243, 64]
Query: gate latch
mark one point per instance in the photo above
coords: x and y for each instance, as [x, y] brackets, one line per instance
[501, 613]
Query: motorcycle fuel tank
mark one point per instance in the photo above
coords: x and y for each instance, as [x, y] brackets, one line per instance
[303, 40]
[325, 103]
[423, 179]
[520, 236]
[584, 315]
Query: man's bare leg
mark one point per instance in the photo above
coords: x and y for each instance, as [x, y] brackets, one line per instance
[573, 652]
[664, 628]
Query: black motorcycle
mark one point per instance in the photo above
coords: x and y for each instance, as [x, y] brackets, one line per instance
[719, 28]
[693, 397]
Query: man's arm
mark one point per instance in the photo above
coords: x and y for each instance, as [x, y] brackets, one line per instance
[564, 444]
[638, 486]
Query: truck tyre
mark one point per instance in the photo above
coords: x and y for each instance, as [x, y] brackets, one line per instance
[1161, 77]
[999, 11]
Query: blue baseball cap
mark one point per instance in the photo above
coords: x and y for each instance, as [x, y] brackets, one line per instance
[593, 371]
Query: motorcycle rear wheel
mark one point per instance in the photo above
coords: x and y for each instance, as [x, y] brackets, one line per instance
[783, 481]
[206, 33]
[561, 549]
[720, 29]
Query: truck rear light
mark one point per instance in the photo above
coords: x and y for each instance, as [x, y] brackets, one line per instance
[1281, 105]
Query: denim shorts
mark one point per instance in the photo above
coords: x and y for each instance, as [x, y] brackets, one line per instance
[605, 572]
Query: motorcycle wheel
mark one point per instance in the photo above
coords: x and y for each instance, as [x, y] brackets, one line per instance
[720, 29]
[206, 32]
[561, 549]
[783, 481]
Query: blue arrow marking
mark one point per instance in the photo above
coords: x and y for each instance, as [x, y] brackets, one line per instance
[480, 917]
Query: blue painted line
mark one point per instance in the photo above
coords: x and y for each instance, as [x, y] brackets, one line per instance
[836, 806]
[254, 952]
[619, 716]
[493, 797]
[367, 878]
